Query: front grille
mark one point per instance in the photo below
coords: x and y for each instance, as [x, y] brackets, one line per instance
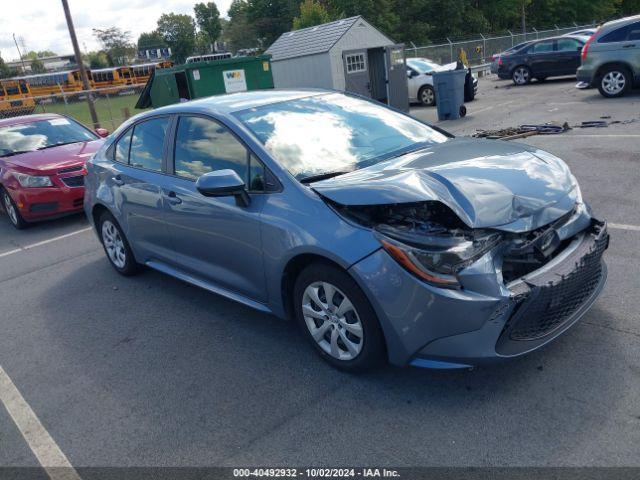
[546, 302]
[78, 202]
[73, 181]
[77, 168]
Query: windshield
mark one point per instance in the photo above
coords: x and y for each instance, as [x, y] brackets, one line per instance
[422, 65]
[334, 133]
[25, 137]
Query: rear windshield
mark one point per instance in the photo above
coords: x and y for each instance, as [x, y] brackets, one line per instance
[422, 65]
[26, 137]
[334, 132]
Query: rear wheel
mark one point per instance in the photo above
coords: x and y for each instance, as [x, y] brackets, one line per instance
[338, 319]
[427, 96]
[116, 246]
[614, 82]
[521, 75]
[12, 211]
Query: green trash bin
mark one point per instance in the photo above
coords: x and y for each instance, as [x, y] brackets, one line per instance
[449, 90]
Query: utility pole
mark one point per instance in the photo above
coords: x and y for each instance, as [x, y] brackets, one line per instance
[24, 69]
[524, 19]
[83, 71]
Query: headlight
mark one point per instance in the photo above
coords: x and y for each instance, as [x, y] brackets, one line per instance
[436, 261]
[31, 181]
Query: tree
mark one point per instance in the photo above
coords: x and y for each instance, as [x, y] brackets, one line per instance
[179, 32]
[239, 32]
[311, 13]
[271, 18]
[380, 13]
[6, 71]
[37, 66]
[116, 43]
[97, 59]
[208, 20]
[150, 40]
[44, 53]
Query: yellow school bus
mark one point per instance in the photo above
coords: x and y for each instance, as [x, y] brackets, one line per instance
[142, 71]
[53, 83]
[15, 98]
[103, 78]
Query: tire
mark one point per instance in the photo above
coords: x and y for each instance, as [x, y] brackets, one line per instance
[463, 111]
[521, 75]
[615, 81]
[116, 246]
[427, 96]
[351, 339]
[11, 209]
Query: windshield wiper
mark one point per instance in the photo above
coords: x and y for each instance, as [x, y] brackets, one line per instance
[19, 152]
[58, 144]
[321, 176]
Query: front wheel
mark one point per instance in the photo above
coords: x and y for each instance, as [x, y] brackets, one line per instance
[338, 319]
[12, 211]
[427, 96]
[116, 246]
[521, 75]
[614, 82]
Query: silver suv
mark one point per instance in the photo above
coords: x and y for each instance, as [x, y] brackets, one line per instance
[611, 57]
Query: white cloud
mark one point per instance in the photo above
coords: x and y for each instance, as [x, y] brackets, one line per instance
[41, 23]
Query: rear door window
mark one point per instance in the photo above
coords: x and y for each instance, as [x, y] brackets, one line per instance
[147, 144]
[569, 45]
[543, 47]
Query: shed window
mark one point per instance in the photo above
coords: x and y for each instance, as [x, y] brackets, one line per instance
[356, 63]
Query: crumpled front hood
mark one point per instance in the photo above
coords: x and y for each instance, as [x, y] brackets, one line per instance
[487, 183]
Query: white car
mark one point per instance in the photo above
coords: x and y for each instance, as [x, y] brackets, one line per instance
[420, 80]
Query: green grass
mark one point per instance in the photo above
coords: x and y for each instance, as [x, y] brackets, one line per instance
[110, 110]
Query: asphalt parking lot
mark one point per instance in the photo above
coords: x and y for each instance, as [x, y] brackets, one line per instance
[149, 371]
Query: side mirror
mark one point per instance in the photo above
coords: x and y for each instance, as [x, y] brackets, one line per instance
[102, 132]
[223, 183]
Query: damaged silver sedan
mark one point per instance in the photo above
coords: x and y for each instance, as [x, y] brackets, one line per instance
[387, 239]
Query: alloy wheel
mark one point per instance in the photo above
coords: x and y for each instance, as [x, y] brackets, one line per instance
[332, 321]
[427, 96]
[10, 209]
[521, 75]
[113, 244]
[614, 82]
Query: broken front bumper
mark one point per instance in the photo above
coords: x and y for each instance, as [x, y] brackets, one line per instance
[438, 328]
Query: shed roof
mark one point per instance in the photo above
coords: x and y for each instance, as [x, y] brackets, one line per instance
[311, 40]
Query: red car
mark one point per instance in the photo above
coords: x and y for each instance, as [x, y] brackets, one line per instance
[42, 160]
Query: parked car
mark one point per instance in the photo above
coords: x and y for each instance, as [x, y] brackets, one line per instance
[386, 239]
[611, 57]
[42, 160]
[496, 57]
[420, 79]
[586, 32]
[540, 59]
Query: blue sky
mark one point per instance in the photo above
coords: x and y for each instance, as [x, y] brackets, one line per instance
[40, 24]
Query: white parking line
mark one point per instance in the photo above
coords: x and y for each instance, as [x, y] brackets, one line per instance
[622, 226]
[44, 242]
[40, 442]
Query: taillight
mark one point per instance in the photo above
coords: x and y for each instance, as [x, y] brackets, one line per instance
[585, 48]
[500, 61]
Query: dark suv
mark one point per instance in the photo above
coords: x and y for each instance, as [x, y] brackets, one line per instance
[611, 57]
[551, 57]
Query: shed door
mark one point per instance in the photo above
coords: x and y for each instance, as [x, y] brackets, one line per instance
[398, 94]
[356, 72]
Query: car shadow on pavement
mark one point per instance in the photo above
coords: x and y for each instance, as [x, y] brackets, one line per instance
[159, 364]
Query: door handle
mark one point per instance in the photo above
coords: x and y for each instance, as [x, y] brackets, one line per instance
[118, 180]
[174, 199]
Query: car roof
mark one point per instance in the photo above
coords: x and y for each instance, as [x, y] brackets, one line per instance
[619, 23]
[36, 117]
[235, 102]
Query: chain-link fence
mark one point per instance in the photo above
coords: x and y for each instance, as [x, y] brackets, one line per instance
[479, 50]
[113, 105]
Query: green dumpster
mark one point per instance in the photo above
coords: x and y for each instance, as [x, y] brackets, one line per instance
[203, 79]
